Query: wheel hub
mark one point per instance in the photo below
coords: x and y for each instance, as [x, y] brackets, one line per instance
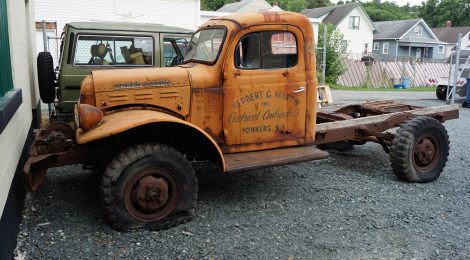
[150, 193]
[426, 153]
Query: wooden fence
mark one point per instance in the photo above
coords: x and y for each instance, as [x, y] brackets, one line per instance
[382, 74]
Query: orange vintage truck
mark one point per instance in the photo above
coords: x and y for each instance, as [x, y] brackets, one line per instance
[245, 97]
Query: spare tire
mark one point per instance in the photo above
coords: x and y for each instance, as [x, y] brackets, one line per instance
[46, 77]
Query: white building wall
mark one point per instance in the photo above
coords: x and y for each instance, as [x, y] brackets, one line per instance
[180, 13]
[466, 41]
[13, 137]
[207, 15]
[357, 38]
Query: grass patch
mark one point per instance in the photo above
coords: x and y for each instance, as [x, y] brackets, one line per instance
[412, 89]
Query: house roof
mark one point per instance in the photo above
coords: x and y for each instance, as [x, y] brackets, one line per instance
[450, 34]
[237, 6]
[317, 12]
[335, 13]
[394, 29]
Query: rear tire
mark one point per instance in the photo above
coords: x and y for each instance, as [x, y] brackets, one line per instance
[46, 77]
[149, 186]
[419, 150]
[441, 92]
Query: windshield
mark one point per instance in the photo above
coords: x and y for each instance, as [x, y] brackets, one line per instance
[205, 45]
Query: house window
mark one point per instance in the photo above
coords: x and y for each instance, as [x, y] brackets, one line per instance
[366, 48]
[6, 80]
[418, 30]
[9, 103]
[376, 46]
[344, 46]
[354, 22]
[281, 50]
[385, 48]
[440, 49]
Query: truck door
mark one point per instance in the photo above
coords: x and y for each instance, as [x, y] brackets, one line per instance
[265, 87]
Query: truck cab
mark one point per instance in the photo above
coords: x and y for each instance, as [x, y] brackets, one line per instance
[249, 83]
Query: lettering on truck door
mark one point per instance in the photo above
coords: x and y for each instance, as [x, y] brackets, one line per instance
[265, 86]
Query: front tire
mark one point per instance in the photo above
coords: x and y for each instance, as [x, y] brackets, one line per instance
[149, 186]
[419, 150]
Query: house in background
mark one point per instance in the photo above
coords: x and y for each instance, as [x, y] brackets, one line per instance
[352, 21]
[19, 112]
[246, 6]
[407, 39]
[450, 34]
[243, 6]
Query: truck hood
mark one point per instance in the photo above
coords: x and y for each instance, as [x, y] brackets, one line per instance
[167, 88]
[122, 79]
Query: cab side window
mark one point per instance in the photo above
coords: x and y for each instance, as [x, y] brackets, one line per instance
[266, 50]
[174, 49]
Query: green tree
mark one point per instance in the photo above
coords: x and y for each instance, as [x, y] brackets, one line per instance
[437, 12]
[334, 53]
[212, 5]
[388, 11]
[296, 5]
[318, 3]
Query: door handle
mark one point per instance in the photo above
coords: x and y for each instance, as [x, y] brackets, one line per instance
[299, 90]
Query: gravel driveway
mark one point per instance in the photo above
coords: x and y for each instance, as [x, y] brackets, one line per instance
[347, 207]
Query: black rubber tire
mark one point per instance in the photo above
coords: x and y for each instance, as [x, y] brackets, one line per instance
[141, 158]
[404, 155]
[46, 77]
[441, 92]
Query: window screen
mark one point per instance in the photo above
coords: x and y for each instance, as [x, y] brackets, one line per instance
[97, 50]
[266, 50]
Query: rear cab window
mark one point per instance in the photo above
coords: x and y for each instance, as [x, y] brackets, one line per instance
[105, 50]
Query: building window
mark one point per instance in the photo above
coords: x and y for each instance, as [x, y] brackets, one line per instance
[6, 80]
[344, 46]
[366, 48]
[418, 30]
[385, 48]
[440, 49]
[10, 99]
[376, 46]
[354, 22]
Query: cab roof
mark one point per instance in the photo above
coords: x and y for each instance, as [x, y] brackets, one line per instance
[263, 17]
[133, 27]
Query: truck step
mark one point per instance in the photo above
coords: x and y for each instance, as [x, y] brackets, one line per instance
[273, 157]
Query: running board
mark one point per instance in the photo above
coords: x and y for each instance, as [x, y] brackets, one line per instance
[273, 157]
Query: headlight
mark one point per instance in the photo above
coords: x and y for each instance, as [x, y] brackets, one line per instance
[88, 116]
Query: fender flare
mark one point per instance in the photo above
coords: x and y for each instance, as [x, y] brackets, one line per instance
[118, 122]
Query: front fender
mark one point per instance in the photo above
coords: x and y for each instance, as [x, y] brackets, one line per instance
[119, 122]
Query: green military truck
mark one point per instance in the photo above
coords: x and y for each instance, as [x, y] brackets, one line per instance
[87, 46]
